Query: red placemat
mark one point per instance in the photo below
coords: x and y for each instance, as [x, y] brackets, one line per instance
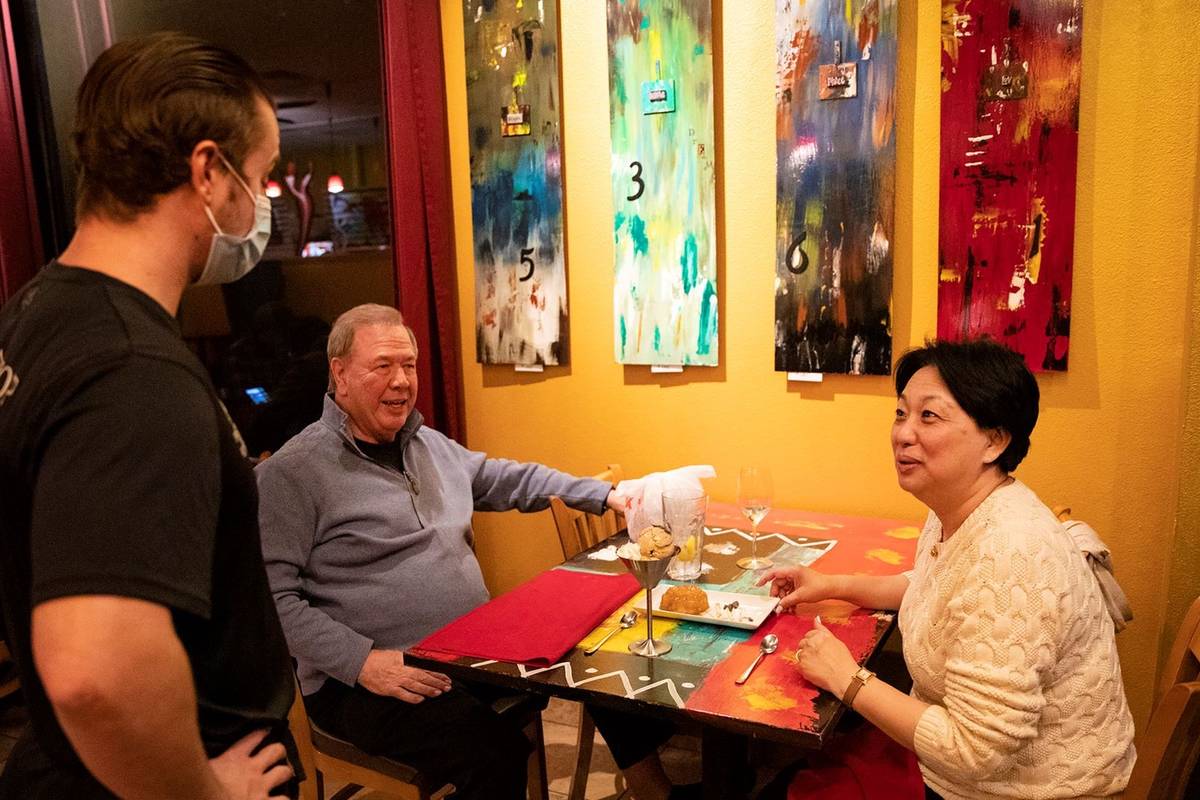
[537, 622]
[777, 694]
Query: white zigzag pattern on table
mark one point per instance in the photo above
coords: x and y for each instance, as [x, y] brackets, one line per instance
[829, 543]
[630, 692]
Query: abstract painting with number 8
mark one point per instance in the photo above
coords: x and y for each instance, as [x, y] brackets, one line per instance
[513, 114]
[835, 95]
[660, 83]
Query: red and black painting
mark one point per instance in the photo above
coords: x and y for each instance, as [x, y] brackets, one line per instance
[1010, 131]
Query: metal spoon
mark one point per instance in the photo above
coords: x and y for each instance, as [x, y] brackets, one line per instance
[627, 621]
[767, 646]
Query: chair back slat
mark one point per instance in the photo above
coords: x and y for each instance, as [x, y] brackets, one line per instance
[302, 734]
[578, 531]
[1168, 751]
[1183, 663]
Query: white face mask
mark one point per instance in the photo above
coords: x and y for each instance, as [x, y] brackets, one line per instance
[231, 257]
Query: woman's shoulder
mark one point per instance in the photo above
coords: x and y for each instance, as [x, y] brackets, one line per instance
[1017, 501]
[1017, 521]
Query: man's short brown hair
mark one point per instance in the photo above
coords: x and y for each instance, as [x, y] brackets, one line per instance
[144, 106]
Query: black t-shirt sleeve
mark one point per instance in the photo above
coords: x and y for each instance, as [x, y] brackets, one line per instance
[128, 490]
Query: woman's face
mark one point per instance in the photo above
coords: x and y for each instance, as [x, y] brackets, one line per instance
[939, 451]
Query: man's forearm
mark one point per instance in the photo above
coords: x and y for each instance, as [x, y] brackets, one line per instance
[501, 485]
[871, 591]
[321, 642]
[127, 704]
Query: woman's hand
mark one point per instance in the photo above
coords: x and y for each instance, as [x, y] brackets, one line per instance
[825, 661]
[795, 585]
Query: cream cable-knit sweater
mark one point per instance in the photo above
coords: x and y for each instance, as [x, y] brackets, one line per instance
[1007, 637]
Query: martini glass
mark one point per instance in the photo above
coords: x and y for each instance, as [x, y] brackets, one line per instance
[649, 571]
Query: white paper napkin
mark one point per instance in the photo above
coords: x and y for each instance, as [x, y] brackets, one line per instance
[643, 496]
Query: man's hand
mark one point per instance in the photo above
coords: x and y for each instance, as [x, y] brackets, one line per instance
[615, 501]
[384, 673]
[251, 777]
[139, 737]
[794, 585]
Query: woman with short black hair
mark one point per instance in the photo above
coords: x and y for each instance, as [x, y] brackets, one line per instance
[1017, 689]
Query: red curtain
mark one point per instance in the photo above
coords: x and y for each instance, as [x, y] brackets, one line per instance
[422, 216]
[20, 247]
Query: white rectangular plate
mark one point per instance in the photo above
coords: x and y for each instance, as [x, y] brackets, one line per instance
[751, 610]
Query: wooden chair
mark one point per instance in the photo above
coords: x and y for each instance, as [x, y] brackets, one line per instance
[1169, 749]
[577, 532]
[328, 758]
[1183, 662]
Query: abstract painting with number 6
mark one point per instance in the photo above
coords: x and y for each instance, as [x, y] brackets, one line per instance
[660, 82]
[835, 95]
[513, 113]
[1010, 133]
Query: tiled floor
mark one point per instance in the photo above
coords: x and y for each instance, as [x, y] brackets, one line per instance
[560, 722]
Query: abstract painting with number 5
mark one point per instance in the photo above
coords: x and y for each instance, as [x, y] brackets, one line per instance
[1010, 134]
[660, 83]
[835, 95]
[513, 113]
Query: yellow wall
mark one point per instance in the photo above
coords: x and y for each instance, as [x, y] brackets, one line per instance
[1108, 439]
[1184, 562]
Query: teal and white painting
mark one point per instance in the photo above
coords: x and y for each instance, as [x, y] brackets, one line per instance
[663, 181]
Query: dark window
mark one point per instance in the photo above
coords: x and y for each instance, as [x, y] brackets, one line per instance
[263, 338]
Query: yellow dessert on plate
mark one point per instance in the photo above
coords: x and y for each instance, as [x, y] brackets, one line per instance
[684, 600]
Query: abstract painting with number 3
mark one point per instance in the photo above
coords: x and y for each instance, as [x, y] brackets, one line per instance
[513, 113]
[663, 181]
[835, 185]
[1010, 131]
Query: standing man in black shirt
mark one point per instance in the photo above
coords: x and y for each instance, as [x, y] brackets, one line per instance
[131, 579]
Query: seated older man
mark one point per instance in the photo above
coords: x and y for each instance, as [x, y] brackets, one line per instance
[366, 533]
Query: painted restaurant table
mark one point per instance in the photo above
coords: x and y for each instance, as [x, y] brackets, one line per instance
[547, 623]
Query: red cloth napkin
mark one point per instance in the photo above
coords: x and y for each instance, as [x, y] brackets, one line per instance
[536, 623]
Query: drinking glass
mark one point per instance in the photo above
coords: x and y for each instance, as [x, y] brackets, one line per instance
[683, 516]
[754, 497]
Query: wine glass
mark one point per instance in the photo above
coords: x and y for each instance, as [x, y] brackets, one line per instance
[754, 496]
